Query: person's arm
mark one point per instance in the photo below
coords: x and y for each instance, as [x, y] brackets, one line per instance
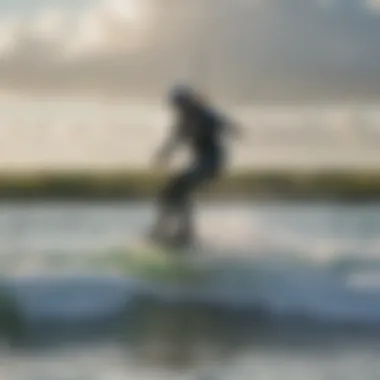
[166, 150]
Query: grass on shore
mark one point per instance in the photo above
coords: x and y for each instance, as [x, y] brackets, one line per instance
[333, 184]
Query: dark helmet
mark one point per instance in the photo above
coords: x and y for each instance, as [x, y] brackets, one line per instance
[181, 95]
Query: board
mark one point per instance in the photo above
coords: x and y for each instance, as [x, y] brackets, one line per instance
[157, 263]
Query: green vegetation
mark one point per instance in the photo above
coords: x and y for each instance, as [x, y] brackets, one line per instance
[97, 185]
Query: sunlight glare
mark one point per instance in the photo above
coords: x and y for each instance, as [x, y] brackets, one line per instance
[129, 10]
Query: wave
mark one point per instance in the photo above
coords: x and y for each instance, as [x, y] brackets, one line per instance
[341, 291]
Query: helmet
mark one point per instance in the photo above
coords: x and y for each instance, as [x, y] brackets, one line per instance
[180, 94]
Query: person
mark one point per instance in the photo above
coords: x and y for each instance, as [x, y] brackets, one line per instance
[202, 128]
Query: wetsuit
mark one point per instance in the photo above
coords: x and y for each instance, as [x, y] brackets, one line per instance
[202, 131]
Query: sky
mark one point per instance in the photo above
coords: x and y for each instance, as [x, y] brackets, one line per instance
[270, 51]
[83, 82]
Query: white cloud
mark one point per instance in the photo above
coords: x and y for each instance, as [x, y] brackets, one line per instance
[107, 25]
[9, 33]
[112, 24]
[51, 23]
[260, 47]
[373, 5]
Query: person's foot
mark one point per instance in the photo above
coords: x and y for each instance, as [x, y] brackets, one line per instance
[154, 236]
[162, 239]
[182, 240]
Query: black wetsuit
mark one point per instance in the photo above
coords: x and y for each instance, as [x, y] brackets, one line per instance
[202, 130]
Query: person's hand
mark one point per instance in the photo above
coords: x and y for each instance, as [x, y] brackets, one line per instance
[162, 157]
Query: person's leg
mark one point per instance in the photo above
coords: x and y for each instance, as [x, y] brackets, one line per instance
[185, 229]
[176, 201]
[169, 207]
[162, 223]
[181, 202]
[205, 169]
[191, 181]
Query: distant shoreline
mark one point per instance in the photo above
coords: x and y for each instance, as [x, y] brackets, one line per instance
[335, 185]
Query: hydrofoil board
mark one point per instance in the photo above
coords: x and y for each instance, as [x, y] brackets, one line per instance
[157, 262]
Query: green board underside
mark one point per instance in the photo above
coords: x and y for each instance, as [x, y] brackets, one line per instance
[154, 264]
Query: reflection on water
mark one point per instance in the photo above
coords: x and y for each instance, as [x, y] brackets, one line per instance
[179, 338]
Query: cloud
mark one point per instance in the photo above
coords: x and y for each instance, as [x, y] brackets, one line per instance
[108, 25]
[60, 50]
[373, 5]
[270, 50]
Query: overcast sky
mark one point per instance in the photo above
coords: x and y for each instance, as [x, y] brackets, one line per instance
[255, 50]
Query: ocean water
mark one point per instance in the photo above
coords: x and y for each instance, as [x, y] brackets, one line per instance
[293, 293]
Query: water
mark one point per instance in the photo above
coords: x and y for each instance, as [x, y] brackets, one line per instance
[294, 293]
